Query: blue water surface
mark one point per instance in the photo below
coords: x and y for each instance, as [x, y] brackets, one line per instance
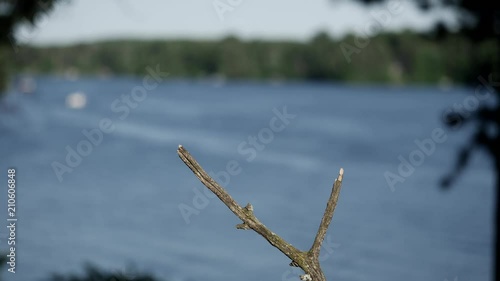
[119, 207]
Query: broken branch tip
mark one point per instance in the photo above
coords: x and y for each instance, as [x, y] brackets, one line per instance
[341, 174]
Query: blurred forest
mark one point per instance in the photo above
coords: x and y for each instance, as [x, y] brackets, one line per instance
[406, 57]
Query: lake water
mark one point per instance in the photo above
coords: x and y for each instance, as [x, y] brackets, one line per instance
[119, 207]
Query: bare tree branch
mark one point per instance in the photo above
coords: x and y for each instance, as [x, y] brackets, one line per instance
[327, 216]
[307, 261]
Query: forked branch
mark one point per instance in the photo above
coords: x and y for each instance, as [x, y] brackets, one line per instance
[307, 261]
[327, 216]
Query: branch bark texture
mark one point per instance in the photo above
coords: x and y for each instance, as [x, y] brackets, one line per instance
[308, 261]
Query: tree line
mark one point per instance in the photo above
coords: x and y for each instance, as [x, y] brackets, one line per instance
[405, 57]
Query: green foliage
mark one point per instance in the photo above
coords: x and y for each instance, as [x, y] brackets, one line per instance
[19, 11]
[13, 13]
[3, 261]
[3, 70]
[93, 273]
[387, 58]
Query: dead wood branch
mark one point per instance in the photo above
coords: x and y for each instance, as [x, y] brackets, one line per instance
[307, 261]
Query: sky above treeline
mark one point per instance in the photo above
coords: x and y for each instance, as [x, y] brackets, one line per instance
[94, 20]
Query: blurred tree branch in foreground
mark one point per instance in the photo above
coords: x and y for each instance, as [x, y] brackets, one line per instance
[479, 20]
[12, 14]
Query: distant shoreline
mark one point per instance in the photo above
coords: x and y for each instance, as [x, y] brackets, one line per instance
[390, 58]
